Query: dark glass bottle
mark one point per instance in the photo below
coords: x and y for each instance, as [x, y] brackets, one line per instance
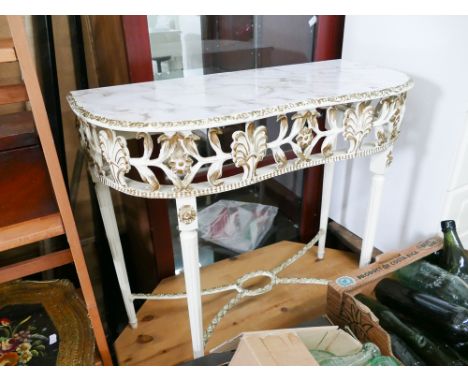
[435, 258]
[448, 320]
[462, 349]
[404, 353]
[431, 279]
[429, 350]
[455, 259]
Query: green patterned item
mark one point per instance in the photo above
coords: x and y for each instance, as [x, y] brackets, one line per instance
[321, 355]
[361, 358]
[383, 360]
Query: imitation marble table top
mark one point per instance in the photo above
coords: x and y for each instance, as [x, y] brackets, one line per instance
[234, 97]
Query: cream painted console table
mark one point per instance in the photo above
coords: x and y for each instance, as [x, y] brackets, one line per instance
[362, 105]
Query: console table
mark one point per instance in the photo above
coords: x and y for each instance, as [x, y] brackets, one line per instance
[362, 106]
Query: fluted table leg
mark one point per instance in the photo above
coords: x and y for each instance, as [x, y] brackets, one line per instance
[325, 209]
[112, 232]
[378, 166]
[188, 225]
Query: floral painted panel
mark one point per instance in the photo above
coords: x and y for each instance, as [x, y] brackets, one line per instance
[28, 336]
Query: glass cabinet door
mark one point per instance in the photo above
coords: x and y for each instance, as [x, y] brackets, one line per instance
[183, 46]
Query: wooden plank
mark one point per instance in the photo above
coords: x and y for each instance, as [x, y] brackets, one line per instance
[7, 50]
[163, 335]
[17, 130]
[36, 265]
[13, 94]
[41, 120]
[31, 231]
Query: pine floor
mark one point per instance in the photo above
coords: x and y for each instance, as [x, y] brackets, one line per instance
[163, 335]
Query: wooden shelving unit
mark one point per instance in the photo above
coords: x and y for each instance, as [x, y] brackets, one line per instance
[34, 204]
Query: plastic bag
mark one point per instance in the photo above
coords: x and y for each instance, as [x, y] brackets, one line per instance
[238, 226]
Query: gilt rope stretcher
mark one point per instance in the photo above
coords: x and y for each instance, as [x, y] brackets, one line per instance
[362, 106]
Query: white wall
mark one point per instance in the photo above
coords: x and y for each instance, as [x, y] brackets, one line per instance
[456, 201]
[433, 51]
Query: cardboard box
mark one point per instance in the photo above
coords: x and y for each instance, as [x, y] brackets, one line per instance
[287, 347]
[344, 310]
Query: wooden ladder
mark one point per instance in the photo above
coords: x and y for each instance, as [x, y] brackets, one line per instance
[45, 220]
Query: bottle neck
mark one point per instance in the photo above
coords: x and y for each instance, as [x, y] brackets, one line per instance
[451, 238]
[454, 254]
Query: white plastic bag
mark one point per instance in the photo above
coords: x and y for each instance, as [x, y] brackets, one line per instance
[238, 226]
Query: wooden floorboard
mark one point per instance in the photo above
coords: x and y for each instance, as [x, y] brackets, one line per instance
[163, 337]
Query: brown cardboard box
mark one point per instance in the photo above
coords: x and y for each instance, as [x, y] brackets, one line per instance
[344, 310]
[284, 349]
[287, 347]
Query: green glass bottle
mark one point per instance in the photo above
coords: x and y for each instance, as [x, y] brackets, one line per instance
[383, 360]
[435, 258]
[321, 355]
[429, 350]
[361, 358]
[434, 280]
[404, 353]
[455, 259]
[462, 349]
[448, 320]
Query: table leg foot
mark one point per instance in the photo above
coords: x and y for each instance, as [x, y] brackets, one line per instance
[133, 325]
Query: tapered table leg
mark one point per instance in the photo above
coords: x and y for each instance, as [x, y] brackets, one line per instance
[188, 225]
[325, 209]
[110, 225]
[378, 166]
